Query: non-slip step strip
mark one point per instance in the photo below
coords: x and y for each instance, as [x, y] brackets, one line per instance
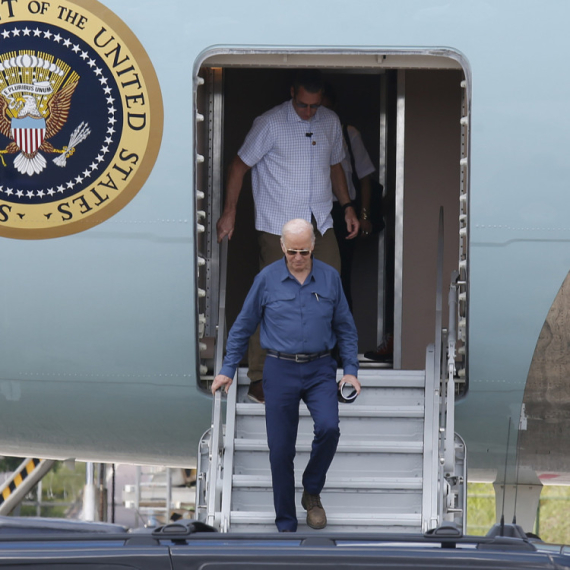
[345, 519]
[349, 447]
[346, 411]
[336, 483]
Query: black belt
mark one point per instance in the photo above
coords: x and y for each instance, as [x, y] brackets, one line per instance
[298, 357]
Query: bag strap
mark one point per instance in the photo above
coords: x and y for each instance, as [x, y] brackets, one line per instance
[355, 179]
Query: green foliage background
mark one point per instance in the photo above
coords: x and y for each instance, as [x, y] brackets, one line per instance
[62, 488]
[552, 524]
[9, 463]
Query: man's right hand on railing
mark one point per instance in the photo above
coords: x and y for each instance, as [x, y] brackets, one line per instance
[221, 380]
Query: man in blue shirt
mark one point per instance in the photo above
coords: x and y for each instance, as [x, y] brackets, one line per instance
[303, 313]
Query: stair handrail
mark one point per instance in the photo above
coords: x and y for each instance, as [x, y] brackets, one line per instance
[433, 482]
[439, 298]
[226, 439]
[213, 497]
[431, 488]
[445, 370]
[449, 444]
[444, 365]
[439, 294]
[214, 476]
[226, 483]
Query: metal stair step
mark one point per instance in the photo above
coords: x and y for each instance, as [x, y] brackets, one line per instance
[336, 483]
[371, 378]
[333, 519]
[367, 502]
[304, 445]
[351, 428]
[346, 411]
[391, 378]
[256, 462]
[364, 501]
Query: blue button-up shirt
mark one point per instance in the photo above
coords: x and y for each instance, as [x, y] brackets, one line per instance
[295, 318]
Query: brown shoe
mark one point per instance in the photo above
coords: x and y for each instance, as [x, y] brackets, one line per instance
[255, 392]
[316, 516]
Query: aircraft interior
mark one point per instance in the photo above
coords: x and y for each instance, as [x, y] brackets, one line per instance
[410, 119]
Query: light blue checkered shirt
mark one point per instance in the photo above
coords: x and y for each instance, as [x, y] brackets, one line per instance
[291, 174]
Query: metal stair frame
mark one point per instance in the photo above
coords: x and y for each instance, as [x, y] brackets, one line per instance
[451, 485]
[228, 465]
[214, 476]
[436, 486]
[453, 451]
[443, 480]
[431, 463]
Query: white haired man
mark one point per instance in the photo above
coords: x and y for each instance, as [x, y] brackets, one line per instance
[303, 313]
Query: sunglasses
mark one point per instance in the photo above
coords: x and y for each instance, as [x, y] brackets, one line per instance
[293, 252]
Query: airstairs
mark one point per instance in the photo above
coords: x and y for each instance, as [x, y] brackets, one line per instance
[399, 466]
[386, 475]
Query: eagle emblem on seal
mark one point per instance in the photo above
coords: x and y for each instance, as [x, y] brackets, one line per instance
[32, 113]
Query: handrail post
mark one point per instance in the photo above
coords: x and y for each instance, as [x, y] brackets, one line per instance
[439, 295]
[227, 467]
[450, 402]
[214, 460]
[221, 329]
[431, 465]
[437, 356]
[445, 361]
[216, 438]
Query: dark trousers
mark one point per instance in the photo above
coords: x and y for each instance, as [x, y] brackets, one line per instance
[285, 384]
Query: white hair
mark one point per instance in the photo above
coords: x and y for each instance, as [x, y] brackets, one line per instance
[296, 227]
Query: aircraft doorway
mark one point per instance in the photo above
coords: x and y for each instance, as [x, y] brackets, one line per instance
[411, 124]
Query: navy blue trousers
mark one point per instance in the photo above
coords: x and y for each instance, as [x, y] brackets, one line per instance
[285, 384]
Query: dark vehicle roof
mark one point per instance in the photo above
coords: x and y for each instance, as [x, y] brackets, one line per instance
[191, 545]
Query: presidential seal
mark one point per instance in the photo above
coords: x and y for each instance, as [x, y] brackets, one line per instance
[80, 117]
